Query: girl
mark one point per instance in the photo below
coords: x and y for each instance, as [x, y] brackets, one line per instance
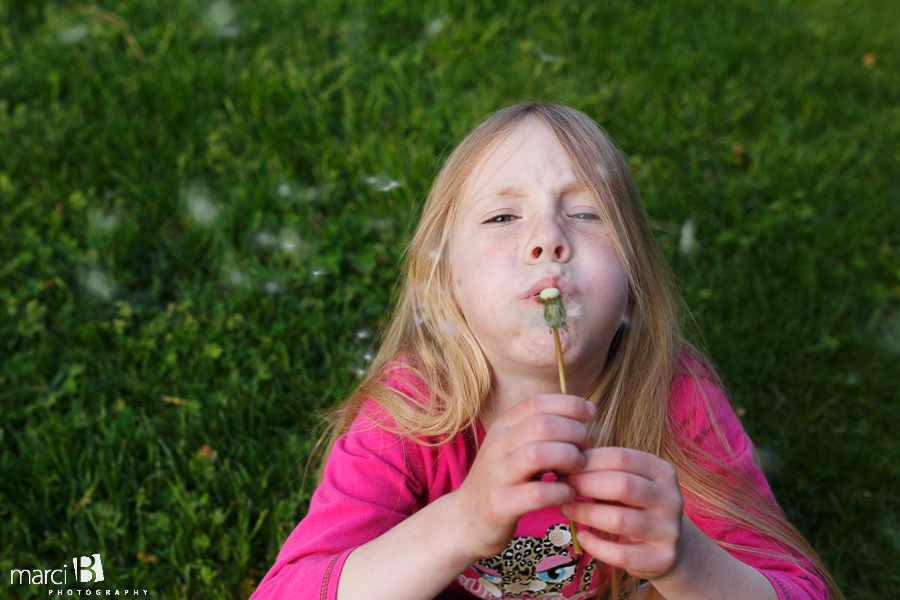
[454, 468]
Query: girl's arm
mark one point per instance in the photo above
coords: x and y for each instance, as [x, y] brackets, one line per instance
[708, 572]
[415, 560]
[641, 499]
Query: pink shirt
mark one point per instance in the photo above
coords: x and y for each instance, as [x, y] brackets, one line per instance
[373, 480]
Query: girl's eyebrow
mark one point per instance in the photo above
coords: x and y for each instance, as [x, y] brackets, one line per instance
[509, 191]
[513, 191]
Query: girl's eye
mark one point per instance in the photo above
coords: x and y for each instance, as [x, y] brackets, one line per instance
[585, 217]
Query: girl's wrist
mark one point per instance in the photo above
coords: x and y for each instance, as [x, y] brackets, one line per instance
[684, 575]
[457, 526]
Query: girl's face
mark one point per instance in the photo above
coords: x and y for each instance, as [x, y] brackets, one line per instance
[525, 224]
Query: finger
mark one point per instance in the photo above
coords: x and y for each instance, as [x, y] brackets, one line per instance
[548, 427]
[631, 557]
[643, 560]
[534, 457]
[619, 520]
[534, 495]
[613, 458]
[564, 405]
[617, 486]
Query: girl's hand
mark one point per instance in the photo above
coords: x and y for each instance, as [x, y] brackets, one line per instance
[543, 433]
[640, 500]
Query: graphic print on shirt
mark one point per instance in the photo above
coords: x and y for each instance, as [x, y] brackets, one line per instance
[532, 567]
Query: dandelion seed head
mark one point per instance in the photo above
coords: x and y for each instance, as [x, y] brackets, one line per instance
[548, 58]
[383, 184]
[100, 222]
[235, 277]
[308, 194]
[73, 35]
[687, 243]
[264, 238]
[270, 287]
[219, 17]
[201, 208]
[362, 334]
[360, 372]
[284, 190]
[318, 273]
[99, 284]
[767, 460]
[434, 27]
[447, 327]
[889, 333]
[290, 242]
[380, 224]
[367, 357]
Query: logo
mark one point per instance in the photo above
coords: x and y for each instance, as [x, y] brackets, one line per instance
[91, 570]
[88, 569]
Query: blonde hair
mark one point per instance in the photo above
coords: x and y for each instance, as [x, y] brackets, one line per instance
[646, 354]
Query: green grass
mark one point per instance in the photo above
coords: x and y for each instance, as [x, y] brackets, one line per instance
[144, 312]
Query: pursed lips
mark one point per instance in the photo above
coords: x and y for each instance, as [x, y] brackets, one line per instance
[545, 283]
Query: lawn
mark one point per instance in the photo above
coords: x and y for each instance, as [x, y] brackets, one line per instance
[203, 206]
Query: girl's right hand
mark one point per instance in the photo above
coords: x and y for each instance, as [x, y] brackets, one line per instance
[546, 432]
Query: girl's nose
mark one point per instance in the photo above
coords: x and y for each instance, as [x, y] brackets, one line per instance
[548, 242]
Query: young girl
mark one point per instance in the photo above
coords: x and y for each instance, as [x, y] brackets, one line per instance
[454, 468]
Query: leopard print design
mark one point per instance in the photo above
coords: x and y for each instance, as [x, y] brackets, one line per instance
[532, 567]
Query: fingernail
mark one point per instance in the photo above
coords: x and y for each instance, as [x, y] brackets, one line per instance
[592, 410]
[567, 510]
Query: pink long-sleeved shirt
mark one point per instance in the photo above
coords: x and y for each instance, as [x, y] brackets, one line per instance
[373, 480]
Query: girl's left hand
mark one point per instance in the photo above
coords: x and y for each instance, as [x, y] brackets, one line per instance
[639, 499]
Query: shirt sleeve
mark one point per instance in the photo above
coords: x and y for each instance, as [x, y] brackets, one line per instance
[367, 488]
[791, 574]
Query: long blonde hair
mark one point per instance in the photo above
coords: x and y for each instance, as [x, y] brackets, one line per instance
[633, 390]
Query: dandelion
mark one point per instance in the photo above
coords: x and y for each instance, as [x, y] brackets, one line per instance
[448, 327]
[73, 35]
[284, 190]
[555, 317]
[200, 207]
[290, 242]
[868, 60]
[434, 27]
[548, 58]
[219, 18]
[380, 223]
[99, 284]
[889, 333]
[687, 242]
[362, 334]
[360, 372]
[265, 239]
[383, 184]
[319, 273]
[100, 222]
[235, 277]
[270, 287]
[308, 194]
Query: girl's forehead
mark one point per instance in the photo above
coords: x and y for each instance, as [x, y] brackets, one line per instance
[500, 163]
